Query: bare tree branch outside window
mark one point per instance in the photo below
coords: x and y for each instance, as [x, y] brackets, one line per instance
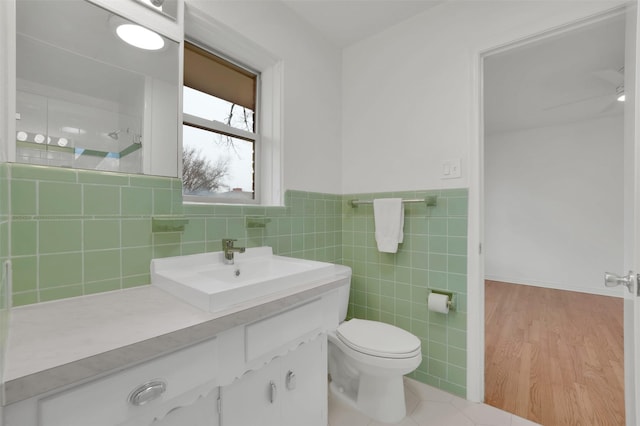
[241, 122]
[199, 174]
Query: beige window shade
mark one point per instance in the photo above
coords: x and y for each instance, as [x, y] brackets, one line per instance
[210, 74]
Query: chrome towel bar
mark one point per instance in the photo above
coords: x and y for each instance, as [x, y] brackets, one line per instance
[430, 201]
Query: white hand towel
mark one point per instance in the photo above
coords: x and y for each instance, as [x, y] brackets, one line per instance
[388, 216]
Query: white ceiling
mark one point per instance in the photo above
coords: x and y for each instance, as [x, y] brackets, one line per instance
[344, 22]
[567, 78]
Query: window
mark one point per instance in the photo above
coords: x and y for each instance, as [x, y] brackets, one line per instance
[203, 28]
[219, 138]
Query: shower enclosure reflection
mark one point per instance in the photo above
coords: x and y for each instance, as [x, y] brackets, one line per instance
[85, 98]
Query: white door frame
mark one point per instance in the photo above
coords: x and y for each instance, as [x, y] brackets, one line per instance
[632, 216]
[475, 257]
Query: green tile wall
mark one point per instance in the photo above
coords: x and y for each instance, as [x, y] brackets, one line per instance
[77, 232]
[308, 227]
[4, 232]
[4, 256]
[394, 287]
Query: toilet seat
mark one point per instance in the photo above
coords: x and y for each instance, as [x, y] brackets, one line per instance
[378, 339]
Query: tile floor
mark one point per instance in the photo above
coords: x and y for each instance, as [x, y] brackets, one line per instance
[429, 406]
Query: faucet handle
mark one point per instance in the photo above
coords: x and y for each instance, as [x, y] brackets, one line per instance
[228, 242]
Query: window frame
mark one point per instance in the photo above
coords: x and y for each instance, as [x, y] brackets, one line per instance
[221, 128]
[202, 27]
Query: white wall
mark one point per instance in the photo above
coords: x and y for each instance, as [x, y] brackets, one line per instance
[409, 94]
[6, 26]
[553, 205]
[312, 69]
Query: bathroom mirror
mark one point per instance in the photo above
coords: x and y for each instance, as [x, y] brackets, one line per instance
[84, 97]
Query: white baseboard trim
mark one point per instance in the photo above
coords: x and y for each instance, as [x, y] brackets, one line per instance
[604, 291]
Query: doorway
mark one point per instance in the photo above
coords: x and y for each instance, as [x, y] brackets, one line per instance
[553, 169]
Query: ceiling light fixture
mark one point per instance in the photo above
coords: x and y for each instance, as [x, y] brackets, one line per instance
[140, 37]
[154, 3]
[73, 130]
[620, 93]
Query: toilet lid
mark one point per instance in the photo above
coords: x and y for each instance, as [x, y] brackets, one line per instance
[378, 339]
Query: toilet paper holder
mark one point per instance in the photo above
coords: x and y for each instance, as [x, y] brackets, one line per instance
[449, 294]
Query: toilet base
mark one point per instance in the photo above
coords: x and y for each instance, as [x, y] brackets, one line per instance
[381, 398]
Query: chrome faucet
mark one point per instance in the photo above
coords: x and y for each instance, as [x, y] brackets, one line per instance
[229, 250]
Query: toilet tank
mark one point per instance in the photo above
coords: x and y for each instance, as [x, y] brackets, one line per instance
[343, 294]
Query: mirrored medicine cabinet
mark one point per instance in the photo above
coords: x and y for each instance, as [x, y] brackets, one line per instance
[87, 99]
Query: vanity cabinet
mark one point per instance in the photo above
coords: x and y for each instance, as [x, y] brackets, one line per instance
[136, 395]
[269, 371]
[203, 412]
[289, 391]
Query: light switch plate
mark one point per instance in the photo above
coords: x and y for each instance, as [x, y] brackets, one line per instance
[450, 169]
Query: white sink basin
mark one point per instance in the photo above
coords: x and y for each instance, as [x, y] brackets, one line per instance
[204, 281]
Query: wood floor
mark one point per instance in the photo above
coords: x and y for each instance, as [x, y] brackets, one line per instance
[554, 357]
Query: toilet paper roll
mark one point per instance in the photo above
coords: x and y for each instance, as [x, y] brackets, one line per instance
[438, 303]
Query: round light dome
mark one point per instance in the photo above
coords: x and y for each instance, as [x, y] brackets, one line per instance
[140, 37]
[38, 138]
[63, 142]
[22, 136]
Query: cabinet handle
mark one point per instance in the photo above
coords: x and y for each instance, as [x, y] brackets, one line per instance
[274, 392]
[147, 392]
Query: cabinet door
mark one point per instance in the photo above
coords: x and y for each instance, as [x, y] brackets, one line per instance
[254, 399]
[289, 391]
[304, 395]
[202, 412]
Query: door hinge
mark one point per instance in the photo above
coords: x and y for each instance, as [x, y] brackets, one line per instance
[220, 405]
[480, 248]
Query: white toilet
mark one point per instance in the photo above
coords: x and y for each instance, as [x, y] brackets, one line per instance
[367, 360]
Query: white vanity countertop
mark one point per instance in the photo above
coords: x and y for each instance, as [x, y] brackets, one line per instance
[56, 344]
